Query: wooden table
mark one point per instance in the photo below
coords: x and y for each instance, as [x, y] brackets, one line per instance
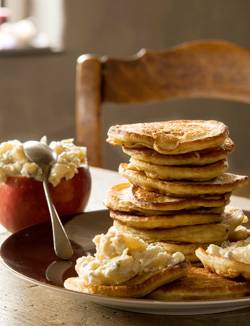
[25, 304]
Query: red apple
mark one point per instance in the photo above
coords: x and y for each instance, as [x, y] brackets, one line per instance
[23, 203]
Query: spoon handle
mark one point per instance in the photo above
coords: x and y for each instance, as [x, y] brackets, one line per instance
[62, 246]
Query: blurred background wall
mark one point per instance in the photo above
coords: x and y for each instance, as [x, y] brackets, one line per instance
[37, 91]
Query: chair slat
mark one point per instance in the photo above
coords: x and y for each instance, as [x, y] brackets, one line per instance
[213, 69]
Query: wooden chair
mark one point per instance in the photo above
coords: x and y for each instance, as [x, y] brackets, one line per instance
[212, 69]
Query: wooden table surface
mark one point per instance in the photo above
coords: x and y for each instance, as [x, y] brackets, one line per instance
[25, 304]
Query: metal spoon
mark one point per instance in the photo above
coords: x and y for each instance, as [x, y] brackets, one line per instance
[42, 155]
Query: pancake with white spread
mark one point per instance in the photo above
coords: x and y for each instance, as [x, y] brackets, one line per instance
[231, 259]
[188, 249]
[125, 266]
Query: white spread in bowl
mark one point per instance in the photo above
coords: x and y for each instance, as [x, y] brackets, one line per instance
[13, 161]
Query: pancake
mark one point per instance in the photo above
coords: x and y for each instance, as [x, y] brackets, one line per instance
[126, 198]
[141, 194]
[240, 233]
[223, 266]
[170, 137]
[165, 222]
[193, 173]
[185, 248]
[135, 288]
[207, 233]
[188, 249]
[204, 157]
[200, 284]
[224, 183]
[190, 234]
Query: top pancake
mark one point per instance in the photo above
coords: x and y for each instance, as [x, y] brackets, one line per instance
[170, 137]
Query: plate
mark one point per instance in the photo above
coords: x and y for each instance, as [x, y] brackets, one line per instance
[29, 253]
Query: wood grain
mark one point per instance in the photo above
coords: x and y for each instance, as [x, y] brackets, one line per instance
[196, 69]
[212, 69]
[88, 99]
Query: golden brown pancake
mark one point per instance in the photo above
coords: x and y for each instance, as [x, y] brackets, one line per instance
[190, 234]
[193, 173]
[200, 284]
[204, 157]
[223, 266]
[135, 288]
[224, 183]
[188, 249]
[239, 233]
[165, 221]
[170, 137]
[207, 233]
[126, 198]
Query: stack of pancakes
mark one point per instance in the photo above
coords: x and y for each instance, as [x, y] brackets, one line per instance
[178, 189]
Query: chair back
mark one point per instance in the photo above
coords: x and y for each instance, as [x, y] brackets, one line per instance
[211, 69]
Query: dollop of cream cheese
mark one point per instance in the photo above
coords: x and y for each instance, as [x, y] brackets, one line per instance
[238, 251]
[120, 257]
[13, 161]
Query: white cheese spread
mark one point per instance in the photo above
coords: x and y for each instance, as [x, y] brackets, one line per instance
[238, 251]
[13, 161]
[120, 257]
